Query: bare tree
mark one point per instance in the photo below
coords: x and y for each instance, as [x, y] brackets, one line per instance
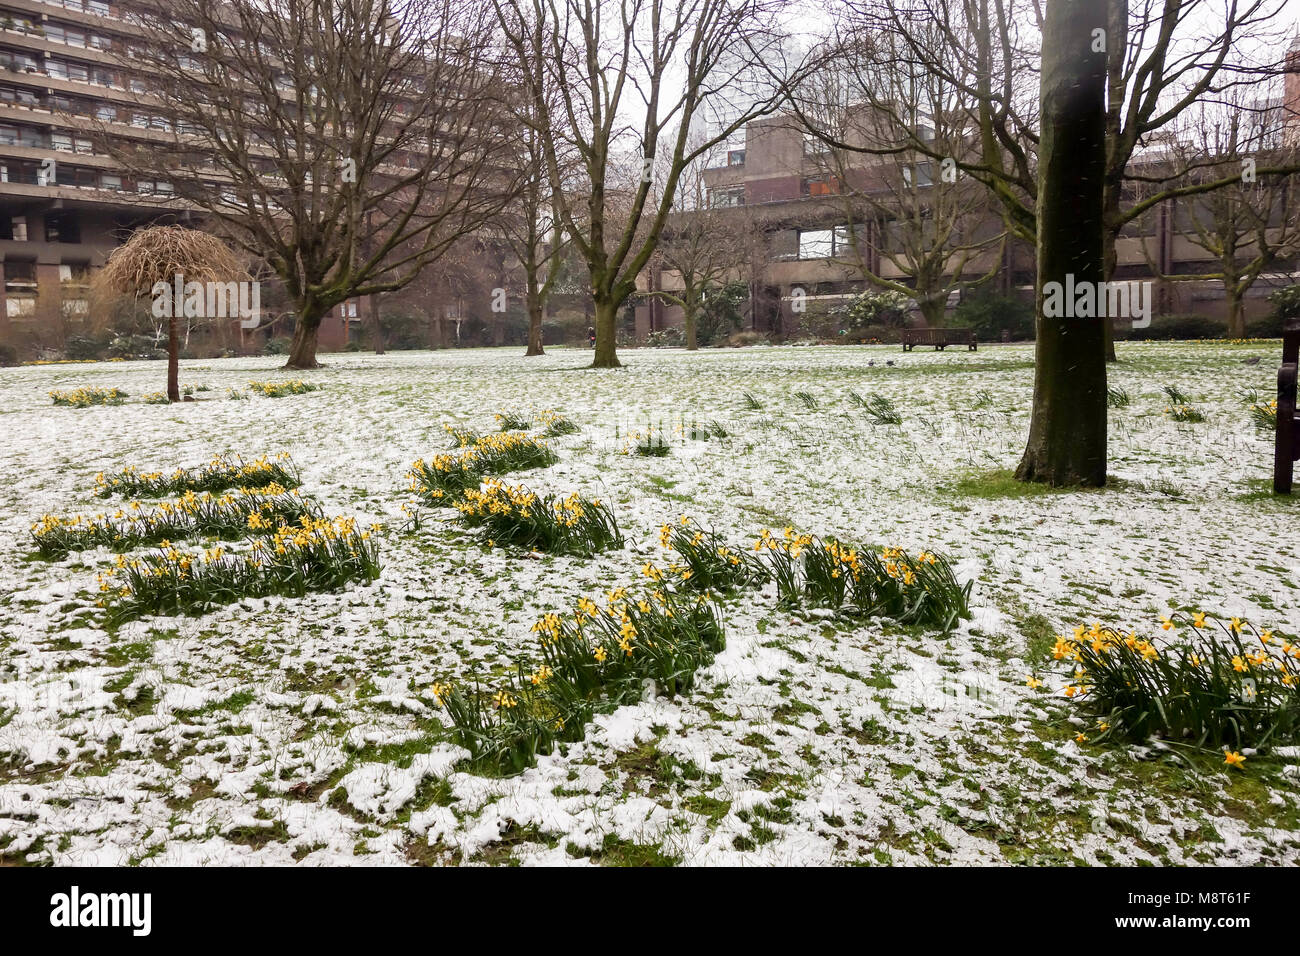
[345, 143]
[705, 244]
[1248, 226]
[632, 76]
[533, 229]
[926, 219]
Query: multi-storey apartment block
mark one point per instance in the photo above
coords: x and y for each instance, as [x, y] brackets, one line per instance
[64, 205]
[778, 190]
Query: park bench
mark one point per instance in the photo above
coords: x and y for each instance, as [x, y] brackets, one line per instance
[1286, 449]
[939, 338]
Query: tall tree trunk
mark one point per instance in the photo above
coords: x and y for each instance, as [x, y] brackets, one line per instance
[173, 362]
[691, 320]
[606, 328]
[536, 312]
[1236, 314]
[376, 330]
[1067, 430]
[302, 353]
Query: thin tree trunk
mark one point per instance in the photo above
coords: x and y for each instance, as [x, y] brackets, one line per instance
[173, 362]
[535, 315]
[1067, 431]
[606, 328]
[1236, 315]
[691, 319]
[376, 330]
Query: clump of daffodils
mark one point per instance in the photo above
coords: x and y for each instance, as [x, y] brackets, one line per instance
[1264, 415]
[221, 473]
[1205, 681]
[315, 554]
[702, 560]
[599, 654]
[227, 516]
[85, 397]
[281, 389]
[560, 525]
[823, 572]
[442, 477]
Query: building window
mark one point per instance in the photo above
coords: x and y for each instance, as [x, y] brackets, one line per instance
[110, 181]
[825, 243]
[18, 231]
[735, 157]
[920, 175]
[816, 243]
[727, 197]
[828, 186]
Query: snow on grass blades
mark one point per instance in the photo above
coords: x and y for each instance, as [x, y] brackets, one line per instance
[1238, 688]
[315, 555]
[86, 397]
[822, 572]
[444, 476]
[593, 659]
[217, 475]
[228, 516]
[517, 516]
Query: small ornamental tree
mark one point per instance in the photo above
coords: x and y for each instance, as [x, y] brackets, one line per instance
[157, 255]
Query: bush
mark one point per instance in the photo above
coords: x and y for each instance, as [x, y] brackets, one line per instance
[135, 347]
[277, 346]
[871, 309]
[1164, 327]
[1266, 327]
[721, 313]
[990, 314]
[672, 337]
[1286, 303]
[746, 338]
[84, 347]
[8, 355]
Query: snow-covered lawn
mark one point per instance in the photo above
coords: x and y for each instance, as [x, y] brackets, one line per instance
[284, 730]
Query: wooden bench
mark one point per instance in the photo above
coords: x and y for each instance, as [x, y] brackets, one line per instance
[1286, 447]
[939, 338]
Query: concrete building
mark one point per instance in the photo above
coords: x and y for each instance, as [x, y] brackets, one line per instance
[776, 189]
[63, 206]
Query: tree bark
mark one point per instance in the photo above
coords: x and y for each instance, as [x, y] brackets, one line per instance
[302, 353]
[376, 330]
[933, 308]
[173, 362]
[606, 328]
[535, 316]
[1067, 431]
[1236, 315]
